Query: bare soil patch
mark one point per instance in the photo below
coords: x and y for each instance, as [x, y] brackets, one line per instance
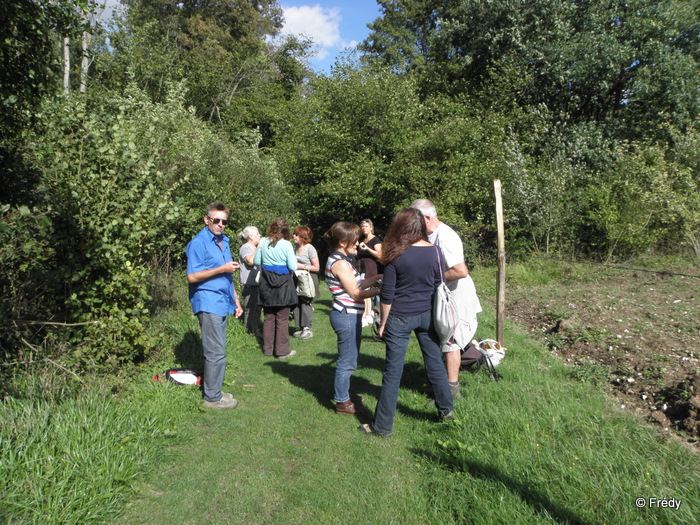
[636, 334]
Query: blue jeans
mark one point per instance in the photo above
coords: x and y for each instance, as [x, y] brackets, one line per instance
[397, 333]
[348, 328]
[214, 350]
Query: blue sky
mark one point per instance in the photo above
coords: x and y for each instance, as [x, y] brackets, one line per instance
[333, 25]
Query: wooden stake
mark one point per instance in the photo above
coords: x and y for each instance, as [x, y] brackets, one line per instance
[501, 287]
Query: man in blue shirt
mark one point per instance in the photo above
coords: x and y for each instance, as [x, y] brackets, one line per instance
[210, 269]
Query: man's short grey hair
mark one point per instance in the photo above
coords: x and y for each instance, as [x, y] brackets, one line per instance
[424, 206]
[216, 206]
[244, 236]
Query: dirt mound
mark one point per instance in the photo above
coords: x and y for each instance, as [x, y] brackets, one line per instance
[639, 335]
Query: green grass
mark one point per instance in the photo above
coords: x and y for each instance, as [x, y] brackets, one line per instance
[75, 459]
[536, 447]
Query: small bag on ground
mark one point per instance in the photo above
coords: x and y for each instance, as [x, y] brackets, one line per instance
[184, 376]
[486, 353]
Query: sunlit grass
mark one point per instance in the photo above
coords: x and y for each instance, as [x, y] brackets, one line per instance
[539, 446]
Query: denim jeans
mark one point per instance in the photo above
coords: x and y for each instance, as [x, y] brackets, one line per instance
[397, 333]
[348, 328]
[214, 349]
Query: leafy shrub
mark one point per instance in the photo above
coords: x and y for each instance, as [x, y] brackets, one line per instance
[125, 183]
[27, 277]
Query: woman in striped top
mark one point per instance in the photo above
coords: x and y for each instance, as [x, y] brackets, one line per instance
[349, 294]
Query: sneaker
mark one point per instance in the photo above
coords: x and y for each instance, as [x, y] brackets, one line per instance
[224, 402]
[306, 333]
[290, 354]
[227, 395]
[448, 417]
[298, 333]
[367, 429]
[456, 394]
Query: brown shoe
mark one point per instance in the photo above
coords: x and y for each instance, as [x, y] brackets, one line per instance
[347, 407]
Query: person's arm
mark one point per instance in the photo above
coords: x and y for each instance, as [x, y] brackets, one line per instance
[291, 258]
[386, 308]
[315, 265]
[377, 252]
[203, 275]
[343, 272]
[458, 271]
[387, 295]
[370, 281]
[257, 260]
[239, 308]
[250, 258]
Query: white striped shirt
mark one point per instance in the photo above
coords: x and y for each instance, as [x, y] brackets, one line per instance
[341, 298]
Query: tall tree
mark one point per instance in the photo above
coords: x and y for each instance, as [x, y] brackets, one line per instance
[30, 32]
[235, 76]
[401, 37]
[633, 60]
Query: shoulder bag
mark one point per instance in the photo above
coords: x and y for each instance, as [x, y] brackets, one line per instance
[305, 284]
[444, 309]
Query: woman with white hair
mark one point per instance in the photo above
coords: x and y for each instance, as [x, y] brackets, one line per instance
[249, 284]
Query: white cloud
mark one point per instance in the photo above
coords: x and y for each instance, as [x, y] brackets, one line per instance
[319, 24]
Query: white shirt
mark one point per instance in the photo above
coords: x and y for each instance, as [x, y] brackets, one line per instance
[463, 290]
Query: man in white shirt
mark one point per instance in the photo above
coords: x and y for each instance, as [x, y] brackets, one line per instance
[461, 284]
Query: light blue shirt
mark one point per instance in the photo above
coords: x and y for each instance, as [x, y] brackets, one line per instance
[279, 255]
[216, 295]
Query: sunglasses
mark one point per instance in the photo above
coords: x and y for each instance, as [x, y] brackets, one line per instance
[217, 220]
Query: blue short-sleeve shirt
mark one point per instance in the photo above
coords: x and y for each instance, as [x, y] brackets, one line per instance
[217, 294]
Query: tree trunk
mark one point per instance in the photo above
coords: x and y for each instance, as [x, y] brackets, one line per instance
[85, 63]
[66, 65]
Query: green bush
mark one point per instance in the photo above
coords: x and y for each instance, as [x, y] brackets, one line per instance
[28, 278]
[125, 183]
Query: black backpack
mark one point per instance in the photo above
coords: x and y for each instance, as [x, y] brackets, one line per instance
[473, 358]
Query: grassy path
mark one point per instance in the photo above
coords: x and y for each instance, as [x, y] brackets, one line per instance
[537, 447]
[284, 456]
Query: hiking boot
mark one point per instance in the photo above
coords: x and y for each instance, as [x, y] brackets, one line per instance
[306, 333]
[224, 402]
[290, 354]
[347, 407]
